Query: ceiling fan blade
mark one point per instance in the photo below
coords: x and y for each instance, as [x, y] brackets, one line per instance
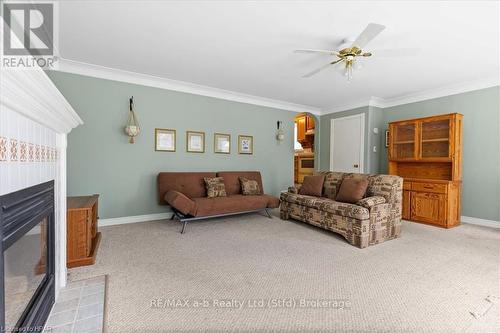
[390, 53]
[321, 68]
[371, 31]
[316, 51]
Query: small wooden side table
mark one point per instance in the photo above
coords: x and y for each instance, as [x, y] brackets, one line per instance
[83, 238]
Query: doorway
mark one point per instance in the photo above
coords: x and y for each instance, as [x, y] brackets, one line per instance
[304, 136]
[347, 143]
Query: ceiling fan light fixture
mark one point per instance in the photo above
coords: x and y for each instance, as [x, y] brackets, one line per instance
[350, 56]
[348, 70]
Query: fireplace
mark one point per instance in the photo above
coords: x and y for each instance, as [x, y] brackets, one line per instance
[27, 263]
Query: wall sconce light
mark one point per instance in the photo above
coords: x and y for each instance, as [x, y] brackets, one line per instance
[280, 135]
[132, 128]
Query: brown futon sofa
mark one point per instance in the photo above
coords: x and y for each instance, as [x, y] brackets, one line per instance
[185, 192]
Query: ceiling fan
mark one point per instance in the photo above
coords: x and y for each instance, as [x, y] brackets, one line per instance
[348, 56]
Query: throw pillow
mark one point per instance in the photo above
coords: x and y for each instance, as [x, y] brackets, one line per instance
[249, 187]
[352, 190]
[215, 187]
[312, 185]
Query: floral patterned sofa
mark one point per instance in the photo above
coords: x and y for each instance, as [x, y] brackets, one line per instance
[372, 220]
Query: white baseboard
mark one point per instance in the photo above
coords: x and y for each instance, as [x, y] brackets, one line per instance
[167, 215]
[478, 221]
[134, 219]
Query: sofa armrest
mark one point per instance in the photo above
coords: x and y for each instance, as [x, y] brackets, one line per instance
[180, 202]
[388, 186]
[369, 202]
[294, 189]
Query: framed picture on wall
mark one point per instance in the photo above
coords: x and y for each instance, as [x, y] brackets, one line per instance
[164, 139]
[245, 144]
[222, 143]
[386, 138]
[195, 142]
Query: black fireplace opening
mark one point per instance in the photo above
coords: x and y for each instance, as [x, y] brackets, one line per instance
[27, 263]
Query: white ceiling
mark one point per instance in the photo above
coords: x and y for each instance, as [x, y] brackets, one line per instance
[247, 47]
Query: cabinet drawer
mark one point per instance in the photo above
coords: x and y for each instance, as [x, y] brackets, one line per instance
[429, 187]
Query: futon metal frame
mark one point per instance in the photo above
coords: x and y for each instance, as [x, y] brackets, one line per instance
[186, 218]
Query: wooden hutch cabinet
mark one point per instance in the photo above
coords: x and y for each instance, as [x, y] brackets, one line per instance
[427, 153]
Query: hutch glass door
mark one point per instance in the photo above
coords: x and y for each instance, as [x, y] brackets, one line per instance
[403, 139]
[436, 139]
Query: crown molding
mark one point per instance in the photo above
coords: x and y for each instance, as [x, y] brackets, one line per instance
[443, 91]
[376, 102]
[87, 69]
[372, 101]
[423, 95]
[346, 107]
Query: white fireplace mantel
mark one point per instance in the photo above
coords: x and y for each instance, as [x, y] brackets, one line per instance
[32, 94]
[30, 102]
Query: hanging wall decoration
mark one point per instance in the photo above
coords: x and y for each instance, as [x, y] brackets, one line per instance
[132, 128]
[280, 135]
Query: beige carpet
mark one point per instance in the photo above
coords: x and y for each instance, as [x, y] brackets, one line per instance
[430, 280]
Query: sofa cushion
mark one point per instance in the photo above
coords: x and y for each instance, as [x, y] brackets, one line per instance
[352, 190]
[180, 202]
[312, 185]
[190, 184]
[249, 187]
[215, 187]
[232, 181]
[230, 204]
[327, 205]
[332, 183]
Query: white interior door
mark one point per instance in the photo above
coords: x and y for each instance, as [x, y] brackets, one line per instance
[347, 140]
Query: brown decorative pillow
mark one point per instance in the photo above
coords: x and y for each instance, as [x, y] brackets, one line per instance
[215, 187]
[249, 187]
[352, 190]
[312, 185]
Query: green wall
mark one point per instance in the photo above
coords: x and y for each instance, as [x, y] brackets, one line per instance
[100, 159]
[378, 139]
[481, 145]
